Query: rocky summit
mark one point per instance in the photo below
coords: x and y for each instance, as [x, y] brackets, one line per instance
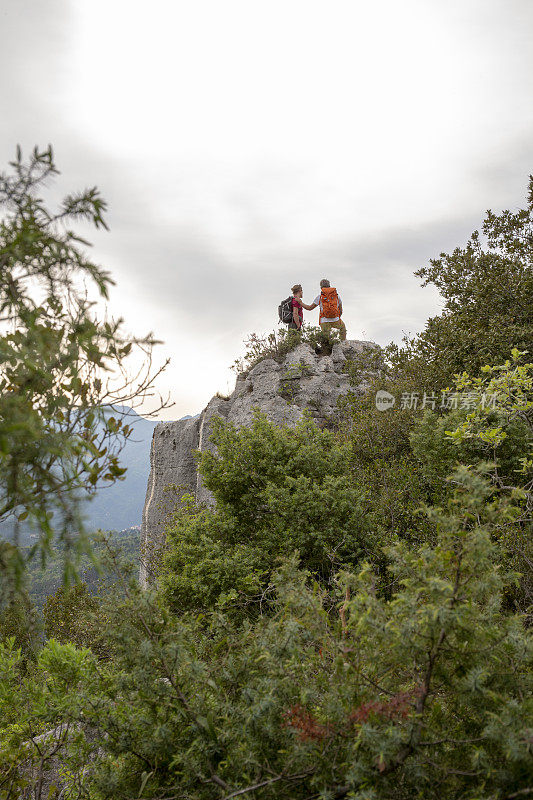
[303, 380]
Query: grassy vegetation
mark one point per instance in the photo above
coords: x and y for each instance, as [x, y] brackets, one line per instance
[278, 343]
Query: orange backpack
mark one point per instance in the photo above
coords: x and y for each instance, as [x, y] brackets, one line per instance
[330, 303]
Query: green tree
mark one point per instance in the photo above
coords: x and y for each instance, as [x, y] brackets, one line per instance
[505, 435]
[63, 369]
[487, 288]
[382, 461]
[18, 618]
[75, 615]
[44, 748]
[276, 490]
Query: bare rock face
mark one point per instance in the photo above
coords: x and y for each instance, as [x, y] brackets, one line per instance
[304, 380]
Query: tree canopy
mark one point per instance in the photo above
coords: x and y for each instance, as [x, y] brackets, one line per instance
[487, 288]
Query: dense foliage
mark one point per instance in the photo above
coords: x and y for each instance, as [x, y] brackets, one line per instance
[426, 694]
[277, 490]
[19, 620]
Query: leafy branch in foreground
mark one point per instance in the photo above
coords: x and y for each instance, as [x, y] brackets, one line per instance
[425, 694]
[65, 372]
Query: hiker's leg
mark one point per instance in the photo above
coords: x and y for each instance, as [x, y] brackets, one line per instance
[342, 327]
[327, 326]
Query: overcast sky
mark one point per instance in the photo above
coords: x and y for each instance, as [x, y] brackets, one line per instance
[246, 145]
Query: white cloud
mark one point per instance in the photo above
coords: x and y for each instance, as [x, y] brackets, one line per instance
[249, 144]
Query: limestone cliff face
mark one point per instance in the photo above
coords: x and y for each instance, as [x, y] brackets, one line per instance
[303, 380]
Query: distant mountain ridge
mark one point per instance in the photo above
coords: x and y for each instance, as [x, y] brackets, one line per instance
[119, 506]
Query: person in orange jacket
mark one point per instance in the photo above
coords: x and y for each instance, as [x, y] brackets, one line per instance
[330, 308]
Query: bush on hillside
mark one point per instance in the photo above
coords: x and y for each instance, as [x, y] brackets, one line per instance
[276, 490]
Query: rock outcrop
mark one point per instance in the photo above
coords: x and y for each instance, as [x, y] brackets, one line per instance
[303, 380]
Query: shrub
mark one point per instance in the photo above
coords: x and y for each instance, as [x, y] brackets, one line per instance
[276, 490]
[278, 343]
